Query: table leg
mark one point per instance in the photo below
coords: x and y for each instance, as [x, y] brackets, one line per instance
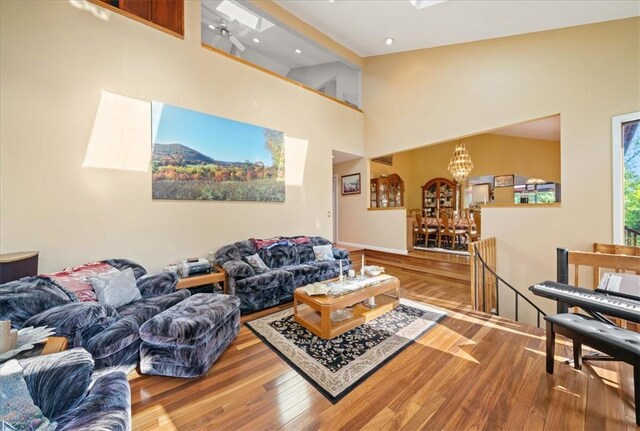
[325, 324]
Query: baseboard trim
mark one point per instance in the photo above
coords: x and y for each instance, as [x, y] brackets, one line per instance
[376, 248]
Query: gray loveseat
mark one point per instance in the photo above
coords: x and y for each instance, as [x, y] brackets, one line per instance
[110, 335]
[291, 263]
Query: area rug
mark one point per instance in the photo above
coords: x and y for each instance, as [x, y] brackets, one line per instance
[336, 367]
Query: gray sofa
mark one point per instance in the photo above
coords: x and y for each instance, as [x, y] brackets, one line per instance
[111, 335]
[291, 263]
[64, 388]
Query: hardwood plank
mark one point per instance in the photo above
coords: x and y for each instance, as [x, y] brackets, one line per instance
[472, 371]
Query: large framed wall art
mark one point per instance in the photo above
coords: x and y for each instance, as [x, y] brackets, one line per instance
[198, 156]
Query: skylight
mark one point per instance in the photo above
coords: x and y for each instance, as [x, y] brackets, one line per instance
[239, 14]
[421, 4]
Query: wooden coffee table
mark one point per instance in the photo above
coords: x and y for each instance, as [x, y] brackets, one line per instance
[317, 316]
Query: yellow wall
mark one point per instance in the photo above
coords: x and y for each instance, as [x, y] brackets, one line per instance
[56, 59]
[491, 155]
[587, 74]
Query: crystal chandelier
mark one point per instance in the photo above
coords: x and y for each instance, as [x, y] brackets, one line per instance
[460, 165]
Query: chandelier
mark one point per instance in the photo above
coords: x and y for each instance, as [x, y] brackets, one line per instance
[460, 165]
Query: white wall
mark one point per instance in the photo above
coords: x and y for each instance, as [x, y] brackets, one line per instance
[346, 79]
[588, 74]
[57, 58]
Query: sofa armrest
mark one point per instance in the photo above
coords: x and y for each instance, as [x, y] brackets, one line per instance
[340, 253]
[57, 382]
[157, 284]
[107, 406]
[238, 269]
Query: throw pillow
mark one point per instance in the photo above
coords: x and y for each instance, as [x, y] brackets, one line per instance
[16, 406]
[116, 288]
[257, 263]
[323, 252]
[76, 280]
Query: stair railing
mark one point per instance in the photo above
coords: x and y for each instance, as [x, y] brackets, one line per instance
[631, 236]
[486, 283]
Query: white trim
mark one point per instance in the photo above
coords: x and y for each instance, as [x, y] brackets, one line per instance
[617, 169]
[373, 247]
[335, 188]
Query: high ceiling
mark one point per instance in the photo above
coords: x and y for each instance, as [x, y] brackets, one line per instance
[362, 25]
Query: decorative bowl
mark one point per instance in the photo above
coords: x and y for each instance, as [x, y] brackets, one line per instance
[373, 270]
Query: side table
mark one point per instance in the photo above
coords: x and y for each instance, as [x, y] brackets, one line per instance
[220, 276]
[54, 345]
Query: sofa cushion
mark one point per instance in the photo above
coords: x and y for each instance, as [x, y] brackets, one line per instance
[279, 255]
[157, 284]
[238, 269]
[58, 382]
[193, 321]
[305, 251]
[329, 269]
[24, 298]
[76, 279]
[255, 300]
[269, 280]
[17, 409]
[302, 274]
[257, 263]
[146, 308]
[107, 406]
[227, 253]
[246, 248]
[323, 253]
[116, 288]
[67, 319]
[318, 240]
[123, 335]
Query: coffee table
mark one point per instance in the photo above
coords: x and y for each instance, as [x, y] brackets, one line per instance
[317, 316]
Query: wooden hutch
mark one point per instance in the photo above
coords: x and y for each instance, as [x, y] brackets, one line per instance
[438, 193]
[387, 192]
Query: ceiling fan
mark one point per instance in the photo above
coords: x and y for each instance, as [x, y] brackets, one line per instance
[224, 30]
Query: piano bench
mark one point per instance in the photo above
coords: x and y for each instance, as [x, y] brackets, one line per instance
[621, 344]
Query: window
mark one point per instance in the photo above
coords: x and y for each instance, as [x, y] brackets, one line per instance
[626, 179]
[243, 31]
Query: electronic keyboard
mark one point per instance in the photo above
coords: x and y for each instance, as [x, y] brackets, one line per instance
[588, 300]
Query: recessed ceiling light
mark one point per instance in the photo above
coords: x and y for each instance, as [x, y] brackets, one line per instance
[298, 51]
[256, 40]
[212, 27]
[388, 40]
[331, 1]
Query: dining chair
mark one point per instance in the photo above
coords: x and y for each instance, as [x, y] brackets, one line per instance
[475, 223]
[447, 227]
[424, 230]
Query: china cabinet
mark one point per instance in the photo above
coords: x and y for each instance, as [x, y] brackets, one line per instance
[387, 192]
[438, 193]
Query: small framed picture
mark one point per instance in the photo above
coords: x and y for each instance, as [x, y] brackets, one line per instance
[351, 184]
[503, 180]
[385, 160]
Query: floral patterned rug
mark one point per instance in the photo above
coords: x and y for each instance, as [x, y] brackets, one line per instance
[336, 367]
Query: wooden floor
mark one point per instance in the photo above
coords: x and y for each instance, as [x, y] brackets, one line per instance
[473, 371]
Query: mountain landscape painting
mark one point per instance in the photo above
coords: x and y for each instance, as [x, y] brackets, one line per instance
[199, 156]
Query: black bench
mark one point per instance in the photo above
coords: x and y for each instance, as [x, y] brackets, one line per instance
[621, 344]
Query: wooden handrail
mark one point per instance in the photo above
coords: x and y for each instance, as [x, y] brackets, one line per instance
[484, 300]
